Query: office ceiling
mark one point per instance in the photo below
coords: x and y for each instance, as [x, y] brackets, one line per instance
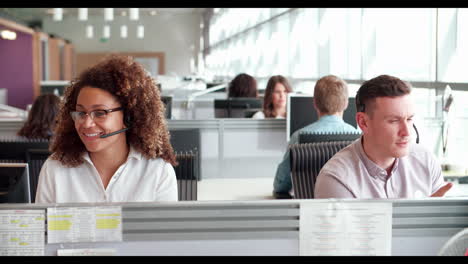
[38, 14]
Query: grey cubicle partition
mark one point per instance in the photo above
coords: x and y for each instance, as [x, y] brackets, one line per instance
[229, 148]
[270, 227]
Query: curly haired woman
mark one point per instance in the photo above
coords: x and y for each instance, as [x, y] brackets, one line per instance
[111, 142]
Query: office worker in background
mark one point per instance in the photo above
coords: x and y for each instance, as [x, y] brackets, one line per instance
[243, 85]
[274, 101]
[41, 118]
[330, 101]
[384, 162]
[111, 143]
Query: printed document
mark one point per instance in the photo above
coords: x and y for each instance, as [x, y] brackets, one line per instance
[22, 232]
[345, 229]
[84, 224]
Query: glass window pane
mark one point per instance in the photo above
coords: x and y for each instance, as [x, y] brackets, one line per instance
[400, 42]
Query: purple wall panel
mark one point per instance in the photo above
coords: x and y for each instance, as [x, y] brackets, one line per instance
[16, 69]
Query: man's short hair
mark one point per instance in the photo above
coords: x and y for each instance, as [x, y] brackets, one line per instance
[331, 94]
[380, 86]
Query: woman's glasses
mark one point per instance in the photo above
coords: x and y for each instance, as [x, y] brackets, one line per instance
[96, 115]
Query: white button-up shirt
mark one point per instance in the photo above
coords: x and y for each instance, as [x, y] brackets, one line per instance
[137, 180]
[351, 174]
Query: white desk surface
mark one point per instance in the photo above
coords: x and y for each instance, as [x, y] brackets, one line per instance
[228, 189]
[235, 189]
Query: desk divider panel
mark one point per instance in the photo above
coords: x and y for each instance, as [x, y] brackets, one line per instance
[424, 224]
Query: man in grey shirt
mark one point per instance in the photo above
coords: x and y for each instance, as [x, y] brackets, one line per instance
[383, 163]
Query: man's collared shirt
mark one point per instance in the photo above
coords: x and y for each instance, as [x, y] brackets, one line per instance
[351, 174]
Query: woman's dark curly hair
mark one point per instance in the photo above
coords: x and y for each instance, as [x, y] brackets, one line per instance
[41, 117]
[268, 107]
[243, 85]
[137, 93]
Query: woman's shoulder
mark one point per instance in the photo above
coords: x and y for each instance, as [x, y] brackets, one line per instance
[156, 163]
[259, 115]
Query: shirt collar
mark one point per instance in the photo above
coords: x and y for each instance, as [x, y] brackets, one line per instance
[329, 118]
[373, 169]
[132, 154]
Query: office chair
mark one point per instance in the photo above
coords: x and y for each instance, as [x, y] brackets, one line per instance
[307, 160]
[187, 175]
[456, 245]
[308, 137]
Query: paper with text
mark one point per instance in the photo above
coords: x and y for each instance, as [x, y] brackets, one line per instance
[22, 232]
[84, 224]
[345, 229]
[87, 252]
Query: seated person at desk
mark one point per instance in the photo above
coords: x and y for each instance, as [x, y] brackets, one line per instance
[41, 118]
[111, 142]
[330, 101]
[383, 162]
[274, 102]
[243, 85]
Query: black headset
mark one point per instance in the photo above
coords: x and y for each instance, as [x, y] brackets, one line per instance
[361, 107]
[127, 119]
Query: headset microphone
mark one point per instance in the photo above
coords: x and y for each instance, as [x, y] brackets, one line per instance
[114, 133]
[417, 134]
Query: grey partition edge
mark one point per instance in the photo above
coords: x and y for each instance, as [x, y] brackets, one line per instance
[270, 227]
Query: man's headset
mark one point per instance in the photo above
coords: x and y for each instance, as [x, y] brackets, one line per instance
[361, 107]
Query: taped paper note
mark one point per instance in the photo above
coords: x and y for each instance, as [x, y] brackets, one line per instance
[345, 229]
[84, 224]
[86, 252]
[22, 232]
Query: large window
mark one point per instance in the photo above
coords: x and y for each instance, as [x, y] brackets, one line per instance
[425, 46]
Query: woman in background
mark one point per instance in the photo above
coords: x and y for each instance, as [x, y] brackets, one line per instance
[243, 85]
[41, 118]
[111, 143]
[274, 102]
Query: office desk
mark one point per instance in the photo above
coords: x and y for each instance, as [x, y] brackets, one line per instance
[223, 189]
[457, 190]
[235, 189]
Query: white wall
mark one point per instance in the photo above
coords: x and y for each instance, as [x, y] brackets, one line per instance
[173, 34]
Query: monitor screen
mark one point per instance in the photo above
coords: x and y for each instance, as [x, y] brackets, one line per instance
[237, 107]
[14, 183]
[301, 112]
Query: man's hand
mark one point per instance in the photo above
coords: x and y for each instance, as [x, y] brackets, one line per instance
[441, 192]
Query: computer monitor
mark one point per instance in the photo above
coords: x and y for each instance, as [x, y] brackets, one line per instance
[14, 183]
[237, 107]
[301, 112]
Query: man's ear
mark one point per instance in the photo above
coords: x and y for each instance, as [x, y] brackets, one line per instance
[315, 106]
[362, 120]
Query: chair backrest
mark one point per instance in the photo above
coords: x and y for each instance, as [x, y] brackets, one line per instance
[167, 100]
[236, 106]
[457, 245]
[307, 137]
[35, 159]
[307, 160]
[185, 140]
[187, 175]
